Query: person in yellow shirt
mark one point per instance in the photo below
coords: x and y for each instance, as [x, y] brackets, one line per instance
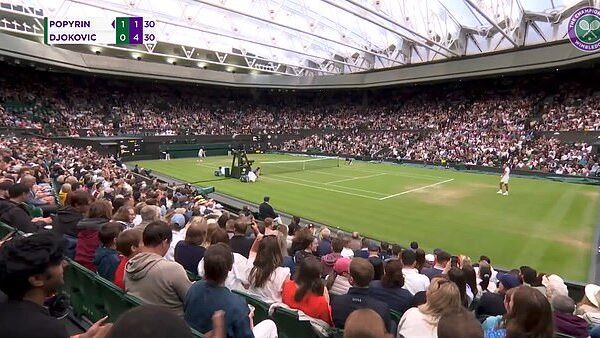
[65, 189]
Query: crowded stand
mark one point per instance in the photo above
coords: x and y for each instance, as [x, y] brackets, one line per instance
[576, 108]
[196, 265]
[543, 154]
[439, 124]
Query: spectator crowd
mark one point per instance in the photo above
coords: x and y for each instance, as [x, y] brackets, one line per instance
[146, 237]
[469, 124]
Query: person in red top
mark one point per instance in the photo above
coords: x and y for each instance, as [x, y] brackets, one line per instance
[129, 244]
[307, 291]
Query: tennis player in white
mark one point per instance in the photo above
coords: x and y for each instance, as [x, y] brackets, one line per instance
[504, 180]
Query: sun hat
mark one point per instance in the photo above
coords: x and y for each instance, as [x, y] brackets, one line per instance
[591, 293]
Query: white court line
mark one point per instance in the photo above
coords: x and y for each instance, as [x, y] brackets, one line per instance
[333, 185]
[416, 189]
[322, 188]
[317, 171]
[356, 189]
[354, 178]
[399, 174]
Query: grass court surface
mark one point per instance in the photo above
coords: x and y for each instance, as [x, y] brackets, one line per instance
[547, 225]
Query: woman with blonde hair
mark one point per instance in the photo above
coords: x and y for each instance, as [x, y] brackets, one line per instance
[443, 297]
[288, 261]
[210, 227]
[124, 216]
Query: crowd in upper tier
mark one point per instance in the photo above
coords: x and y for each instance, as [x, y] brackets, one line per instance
[71, 104]
[484, 123]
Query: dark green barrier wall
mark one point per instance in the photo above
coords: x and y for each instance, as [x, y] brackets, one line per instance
[191, 150]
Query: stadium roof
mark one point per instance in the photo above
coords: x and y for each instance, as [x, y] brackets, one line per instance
[322, 37]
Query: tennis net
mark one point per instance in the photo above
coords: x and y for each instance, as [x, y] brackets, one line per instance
[279, 167]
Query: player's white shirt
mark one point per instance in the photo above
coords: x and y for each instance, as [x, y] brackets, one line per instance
[505, 175]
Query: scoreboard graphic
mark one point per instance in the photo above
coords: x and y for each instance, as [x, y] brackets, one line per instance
[117, 31]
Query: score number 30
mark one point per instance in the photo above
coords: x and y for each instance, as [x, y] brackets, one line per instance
[149, 25]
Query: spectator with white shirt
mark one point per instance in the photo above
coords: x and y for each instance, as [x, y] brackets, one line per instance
[237, 277]
[266, 274]
[178, 228]
[347, 251]
[413, 281]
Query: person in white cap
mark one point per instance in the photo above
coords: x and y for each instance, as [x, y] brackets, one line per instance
[555, 286]
[590, 303]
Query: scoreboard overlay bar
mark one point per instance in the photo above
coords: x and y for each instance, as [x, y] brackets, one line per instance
[114, 31]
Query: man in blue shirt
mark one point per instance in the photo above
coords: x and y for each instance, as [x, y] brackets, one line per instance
[361, 273]
[208, 296]
[441, 259]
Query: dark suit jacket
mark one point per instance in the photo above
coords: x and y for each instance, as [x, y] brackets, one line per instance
[357, 298]
[431, 272]
[490, 304]
[265, 210]
[241, 244]
[17, 217]
[361, 253]
[65, 221]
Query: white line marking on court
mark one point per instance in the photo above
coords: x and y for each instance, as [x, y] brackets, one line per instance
[322, 188]
[354, 178]
[333, 185]
[416, 189]
[317, 171]
[399, 174]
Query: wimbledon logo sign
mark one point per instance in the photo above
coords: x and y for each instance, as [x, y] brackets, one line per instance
[584, 29]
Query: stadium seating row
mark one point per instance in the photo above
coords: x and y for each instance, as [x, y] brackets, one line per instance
[93, 297]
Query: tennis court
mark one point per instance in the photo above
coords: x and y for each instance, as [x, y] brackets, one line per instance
[545, 224]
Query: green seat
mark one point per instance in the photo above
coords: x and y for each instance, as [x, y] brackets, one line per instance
[562, 335]
[289, 326]
[94, 297]
[196, 333]
[5, 229]
[72, 288]
[396, 315]
[192, 276]
[115, 301]
[261, 309]
[33, 211]
[81, 284]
